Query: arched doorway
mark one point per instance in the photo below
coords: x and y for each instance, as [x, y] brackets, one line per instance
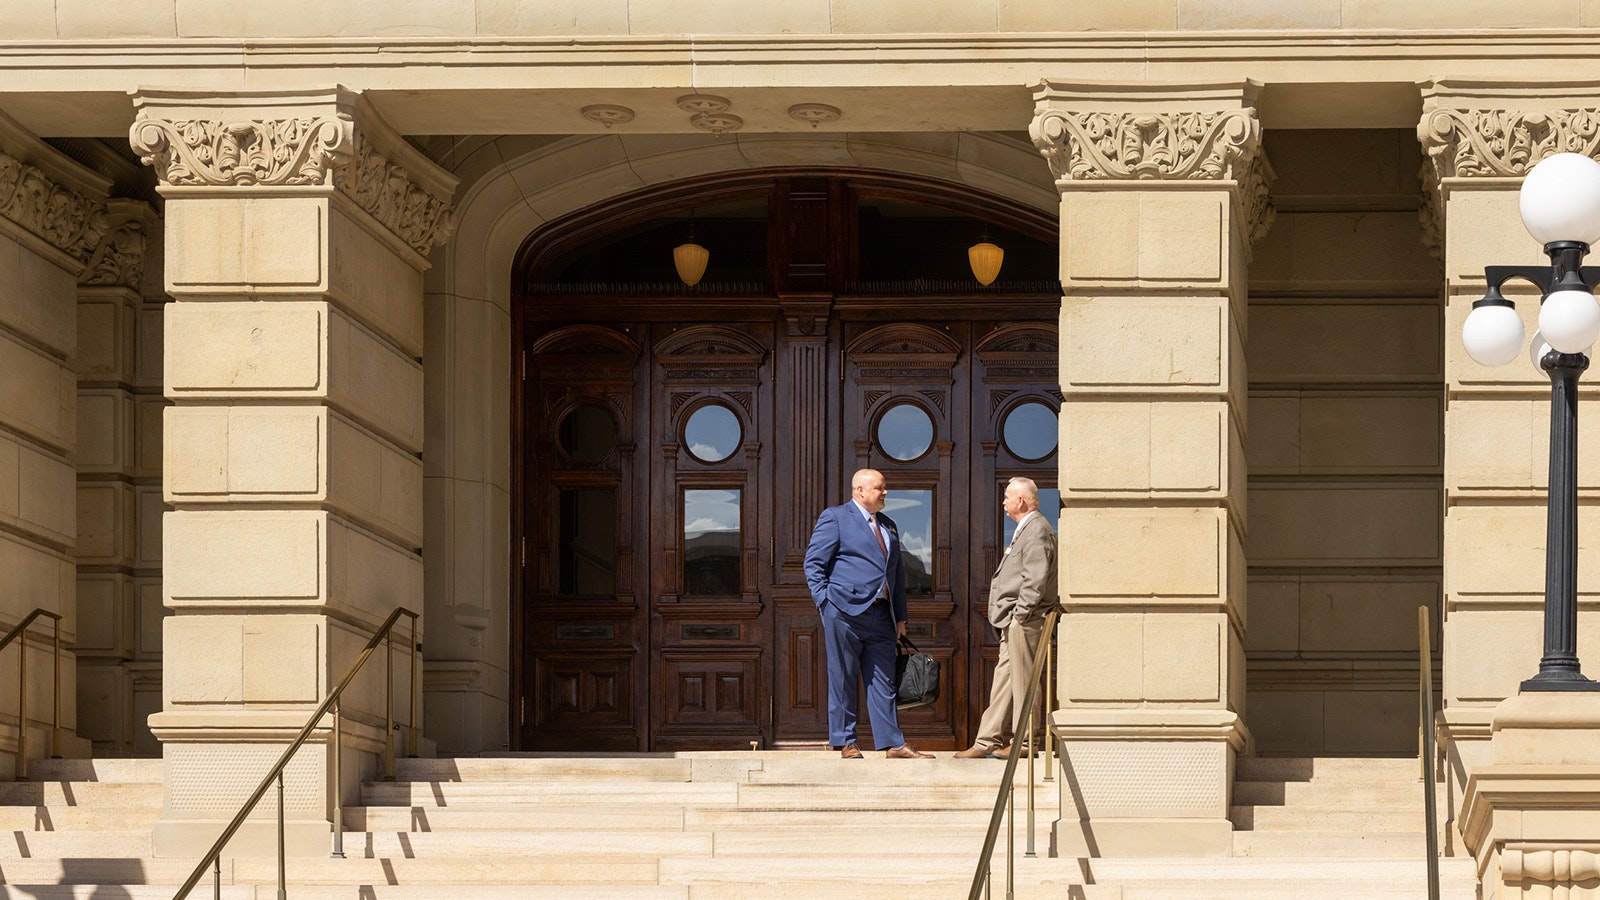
[672, 445]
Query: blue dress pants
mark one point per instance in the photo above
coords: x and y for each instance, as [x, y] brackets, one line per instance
[861, 646]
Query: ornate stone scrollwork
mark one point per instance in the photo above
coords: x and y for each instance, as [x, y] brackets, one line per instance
[1504, 143]
[298, 151]
[67, 219]
[119, 257]
[385, 190]
[1145, 145]
[1170, 146]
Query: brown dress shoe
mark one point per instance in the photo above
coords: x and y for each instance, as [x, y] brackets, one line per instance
[974, 752]
[906, 751]
[850, 751]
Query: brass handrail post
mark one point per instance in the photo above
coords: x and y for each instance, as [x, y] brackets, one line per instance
[55, 718]
[1427, 751]
[388, 707]
[338, 783]
[411, 739]
[1049, 706]
[276, 772]
[22, 704]
[1004, 796]
[283, 869]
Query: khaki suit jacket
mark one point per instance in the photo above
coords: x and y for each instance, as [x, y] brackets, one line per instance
[1024, 584]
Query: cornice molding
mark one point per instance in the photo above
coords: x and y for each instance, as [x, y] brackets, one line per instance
[328, 138]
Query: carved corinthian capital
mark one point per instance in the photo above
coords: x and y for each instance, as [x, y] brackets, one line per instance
[1467, 143]
[1089, 146]
[296, 151]
[67, 219]
[1166, 145]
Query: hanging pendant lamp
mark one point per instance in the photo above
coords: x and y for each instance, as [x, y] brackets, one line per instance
[690, 259]
[985, 259]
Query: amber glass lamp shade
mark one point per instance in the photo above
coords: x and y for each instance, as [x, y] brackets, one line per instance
[690, 260]
[985, 259]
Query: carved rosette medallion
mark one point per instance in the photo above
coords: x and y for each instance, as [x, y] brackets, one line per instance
[299, 151]
[388, 194]
[1167, 146]
[65, 218]
[1493, 143]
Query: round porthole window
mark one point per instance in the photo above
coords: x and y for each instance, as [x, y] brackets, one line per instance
[587, 434]
[712, 433]
[1030, 431]
[905, 432]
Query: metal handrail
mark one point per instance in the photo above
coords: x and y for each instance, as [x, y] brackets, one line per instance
[1005, 797]
[331, 701]
[1426, 750]
[21, 631]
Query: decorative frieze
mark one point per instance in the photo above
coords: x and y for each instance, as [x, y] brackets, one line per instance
[119, 257]
[70, 221]
[289, 151]
[387, 192]
[324, 138]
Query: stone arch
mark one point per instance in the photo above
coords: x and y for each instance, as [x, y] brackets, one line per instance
[470, 365]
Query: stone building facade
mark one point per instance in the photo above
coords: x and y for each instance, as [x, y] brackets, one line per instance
[282, 351]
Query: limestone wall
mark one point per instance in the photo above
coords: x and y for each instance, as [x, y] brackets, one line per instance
[1345, 446]
[34, 19]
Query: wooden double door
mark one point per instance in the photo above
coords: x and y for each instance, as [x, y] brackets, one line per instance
[673, 457]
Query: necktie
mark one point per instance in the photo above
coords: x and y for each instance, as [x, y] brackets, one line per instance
[872, 522]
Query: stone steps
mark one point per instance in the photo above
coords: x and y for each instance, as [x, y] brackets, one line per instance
[725, 826]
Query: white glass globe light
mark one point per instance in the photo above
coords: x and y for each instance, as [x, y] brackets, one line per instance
[1492, 334]
[1560, 199]
[1570, 320]
[1538, 347]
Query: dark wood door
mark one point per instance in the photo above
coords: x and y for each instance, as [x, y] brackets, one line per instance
[674, 449]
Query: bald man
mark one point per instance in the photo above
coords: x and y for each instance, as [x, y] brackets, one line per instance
[853, 569]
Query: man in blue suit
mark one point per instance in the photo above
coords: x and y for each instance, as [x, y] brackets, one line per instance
[854, 571]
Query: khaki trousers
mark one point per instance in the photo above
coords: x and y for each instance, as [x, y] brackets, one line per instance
[1010, 690]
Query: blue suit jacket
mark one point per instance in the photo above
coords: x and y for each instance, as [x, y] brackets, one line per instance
[845, 567]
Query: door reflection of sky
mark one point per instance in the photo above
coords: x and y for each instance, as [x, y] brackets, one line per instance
[707, 511]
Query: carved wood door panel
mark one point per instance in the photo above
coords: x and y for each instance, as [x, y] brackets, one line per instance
[711, 635]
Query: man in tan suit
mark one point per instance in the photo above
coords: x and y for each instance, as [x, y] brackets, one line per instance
[1021, 593]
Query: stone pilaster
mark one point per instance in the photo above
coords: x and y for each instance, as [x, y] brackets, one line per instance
[1480, 139]
[52, 218]
[119, 482]
[297, 228]
[1162, 189]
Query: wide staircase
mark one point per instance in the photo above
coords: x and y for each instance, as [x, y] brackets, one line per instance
[722, 826]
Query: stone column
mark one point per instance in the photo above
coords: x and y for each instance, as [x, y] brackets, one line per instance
[297, 228]
[1507, 753]
[1162, 189]
[119, 482]
[52, 218]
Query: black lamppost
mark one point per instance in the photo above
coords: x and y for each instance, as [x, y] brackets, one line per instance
[1560, 203]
